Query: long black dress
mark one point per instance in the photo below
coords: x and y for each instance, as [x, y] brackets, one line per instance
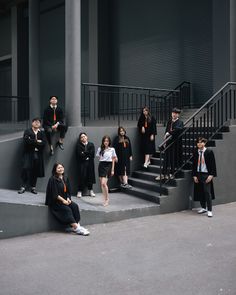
[85, 157]
[65, 214]
[123, 152]
[147, 145]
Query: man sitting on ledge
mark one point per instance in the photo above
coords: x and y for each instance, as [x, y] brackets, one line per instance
[53, 121]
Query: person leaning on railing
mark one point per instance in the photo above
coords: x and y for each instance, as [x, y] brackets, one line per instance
[173, 146]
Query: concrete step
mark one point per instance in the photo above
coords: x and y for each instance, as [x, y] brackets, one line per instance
[140, 174]
[149, 185]
[143, 194]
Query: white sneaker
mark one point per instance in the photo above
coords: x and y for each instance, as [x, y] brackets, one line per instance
[160, 177]
[201, 211]
[209, 213]
[79, 194]
[80, 230]
[145, 165]
[171, 176]
[91, 193]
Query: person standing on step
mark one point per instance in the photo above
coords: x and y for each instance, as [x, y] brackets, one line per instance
[107, 158]
[173, 153]
[147, 130]
[53, 121]
[33, 164]
[85, 156]
[203, 171]
[123, 150]
[58, 198]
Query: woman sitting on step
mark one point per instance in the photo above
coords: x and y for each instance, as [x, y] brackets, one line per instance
[58, 198]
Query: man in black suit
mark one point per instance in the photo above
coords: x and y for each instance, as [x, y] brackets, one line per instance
[204, 169]
[53, 121]
[173, 153]
[33, 164]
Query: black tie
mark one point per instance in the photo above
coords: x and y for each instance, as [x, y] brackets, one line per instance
[200, 164]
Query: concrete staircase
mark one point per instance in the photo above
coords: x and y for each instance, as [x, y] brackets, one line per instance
[174, 193]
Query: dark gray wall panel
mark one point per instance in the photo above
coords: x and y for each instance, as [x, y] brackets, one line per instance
[221, 43]
[5, 35]
[162, 43]
[52, 53]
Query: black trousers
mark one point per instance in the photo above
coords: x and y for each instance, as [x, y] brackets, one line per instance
[29, 176]
[66, 214]
[62, 129]
[207, 197]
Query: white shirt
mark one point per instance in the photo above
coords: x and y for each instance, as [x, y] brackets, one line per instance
[108, 154]
[203, 166]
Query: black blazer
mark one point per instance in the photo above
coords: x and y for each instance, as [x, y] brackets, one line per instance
[48, 116]
[177, 127]
[209, 160]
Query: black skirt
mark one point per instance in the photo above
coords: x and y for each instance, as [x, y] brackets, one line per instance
[104, 169]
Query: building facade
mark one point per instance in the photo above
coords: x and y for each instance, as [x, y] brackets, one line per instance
[50, 47]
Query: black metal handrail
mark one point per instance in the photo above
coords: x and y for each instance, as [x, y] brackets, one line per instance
[119, 102]
[206, 122]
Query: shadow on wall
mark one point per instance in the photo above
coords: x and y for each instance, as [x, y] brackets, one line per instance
[11, 154]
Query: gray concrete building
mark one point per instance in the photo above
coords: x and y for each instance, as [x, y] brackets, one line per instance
[50, 47]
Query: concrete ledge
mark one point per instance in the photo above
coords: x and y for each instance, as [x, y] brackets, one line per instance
[26, 214]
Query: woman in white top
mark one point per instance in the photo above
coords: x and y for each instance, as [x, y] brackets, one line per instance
[107, 157]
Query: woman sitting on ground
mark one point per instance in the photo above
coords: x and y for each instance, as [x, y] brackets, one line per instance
[58, 198]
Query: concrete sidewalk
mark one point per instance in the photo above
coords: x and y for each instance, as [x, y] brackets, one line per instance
[173, 254]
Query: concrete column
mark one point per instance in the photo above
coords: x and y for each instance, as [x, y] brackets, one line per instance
[73, 62]
[93, 56]
[232, 40]
[34, 69]
[14, 86]
[14, 49]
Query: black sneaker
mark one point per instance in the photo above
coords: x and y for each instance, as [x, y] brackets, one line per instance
[21, 190]
[33, 191]
[61, 146]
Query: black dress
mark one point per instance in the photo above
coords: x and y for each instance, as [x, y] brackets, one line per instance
[123, 152]
[85, 157]
[147, 145]
[65, 214]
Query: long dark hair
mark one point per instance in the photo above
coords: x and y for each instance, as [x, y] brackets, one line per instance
[126, 140]
[54, 169]
[103, 146]
[149, 115]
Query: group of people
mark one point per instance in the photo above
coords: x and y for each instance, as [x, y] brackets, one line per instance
[204, 165]
[113, 160]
